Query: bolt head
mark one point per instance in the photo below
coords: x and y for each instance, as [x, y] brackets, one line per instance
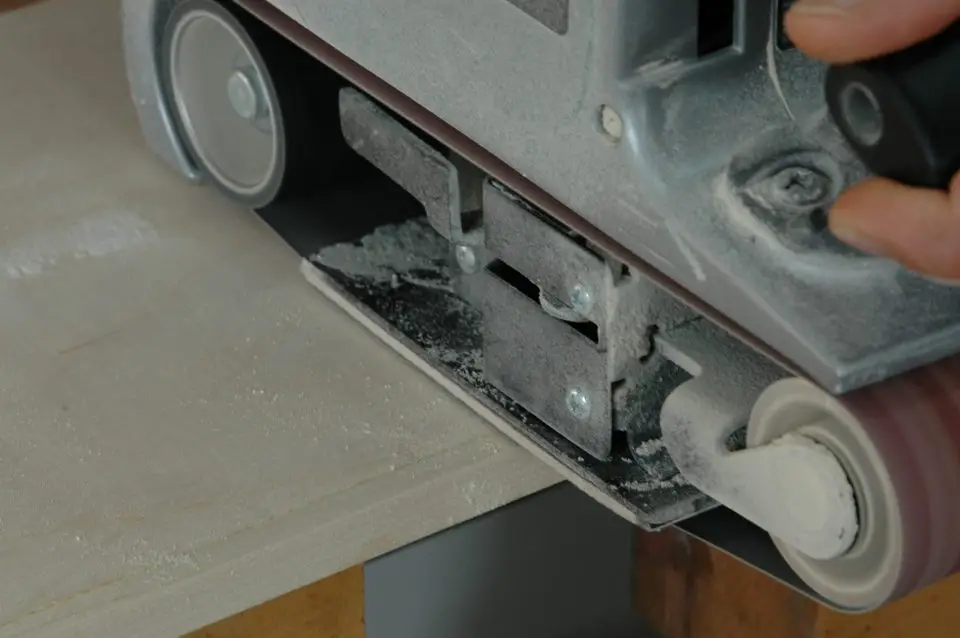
[581, 299]
[243, 95]
[467, 258]
[578, 403]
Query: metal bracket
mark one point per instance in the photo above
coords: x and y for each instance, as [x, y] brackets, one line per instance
[447, 186]
[565, 328]
[547, 366]
[564, 325]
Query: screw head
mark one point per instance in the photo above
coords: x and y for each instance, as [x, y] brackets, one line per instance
[611, 122]
[581, 299]
[466, 258]
[578, 403]
[243, 95]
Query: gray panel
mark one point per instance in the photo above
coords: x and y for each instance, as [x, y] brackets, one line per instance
[409, 161]
[544, 255]
[553, 14]
[540, 361]
[556, 565]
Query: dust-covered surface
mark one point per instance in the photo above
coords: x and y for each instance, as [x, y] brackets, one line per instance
[402, 250]
[405, 275]
[760, 164]
[688, 118]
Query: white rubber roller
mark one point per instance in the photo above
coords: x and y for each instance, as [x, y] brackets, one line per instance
[899, 444]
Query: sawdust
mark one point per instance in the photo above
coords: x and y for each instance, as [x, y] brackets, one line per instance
[392, 252]
[643, 487]
[96, 236]
[649, 448]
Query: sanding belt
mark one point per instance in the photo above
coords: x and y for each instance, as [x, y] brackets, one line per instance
[899, 441]
[914, 424]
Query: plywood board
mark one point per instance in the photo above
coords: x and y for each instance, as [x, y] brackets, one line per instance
[188, 428]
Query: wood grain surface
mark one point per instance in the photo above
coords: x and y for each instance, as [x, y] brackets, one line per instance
[194, 428]
[685, 589]
[331, 608]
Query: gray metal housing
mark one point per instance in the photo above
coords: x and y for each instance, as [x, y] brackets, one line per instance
[717, 175]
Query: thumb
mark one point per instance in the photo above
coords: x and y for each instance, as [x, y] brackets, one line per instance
[840, 31]
[919, 228]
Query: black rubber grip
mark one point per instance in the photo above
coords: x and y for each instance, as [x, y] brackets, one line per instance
[901, 112]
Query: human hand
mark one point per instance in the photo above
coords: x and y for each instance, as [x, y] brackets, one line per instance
[920, 228]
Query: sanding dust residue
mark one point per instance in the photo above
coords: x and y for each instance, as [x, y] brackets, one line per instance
[390, 252]
[104, 234]
[405, 276]
[818, 266]
[642, 487]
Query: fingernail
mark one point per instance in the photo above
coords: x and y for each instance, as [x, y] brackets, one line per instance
[823, 7]
[857, 239]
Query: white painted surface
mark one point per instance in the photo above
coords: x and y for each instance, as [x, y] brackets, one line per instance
[187, 428]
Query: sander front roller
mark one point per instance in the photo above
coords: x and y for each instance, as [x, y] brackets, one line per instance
[899, 446]
[858, 492]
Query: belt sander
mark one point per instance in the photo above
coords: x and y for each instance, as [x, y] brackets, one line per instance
[604, 228]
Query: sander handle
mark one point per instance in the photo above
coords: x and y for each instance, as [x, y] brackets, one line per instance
[901, 112]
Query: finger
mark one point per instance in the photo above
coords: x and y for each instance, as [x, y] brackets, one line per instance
[843, 31]
[919, 228]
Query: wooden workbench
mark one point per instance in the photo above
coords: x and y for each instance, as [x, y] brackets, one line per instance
[686, 589]
[188, 428]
